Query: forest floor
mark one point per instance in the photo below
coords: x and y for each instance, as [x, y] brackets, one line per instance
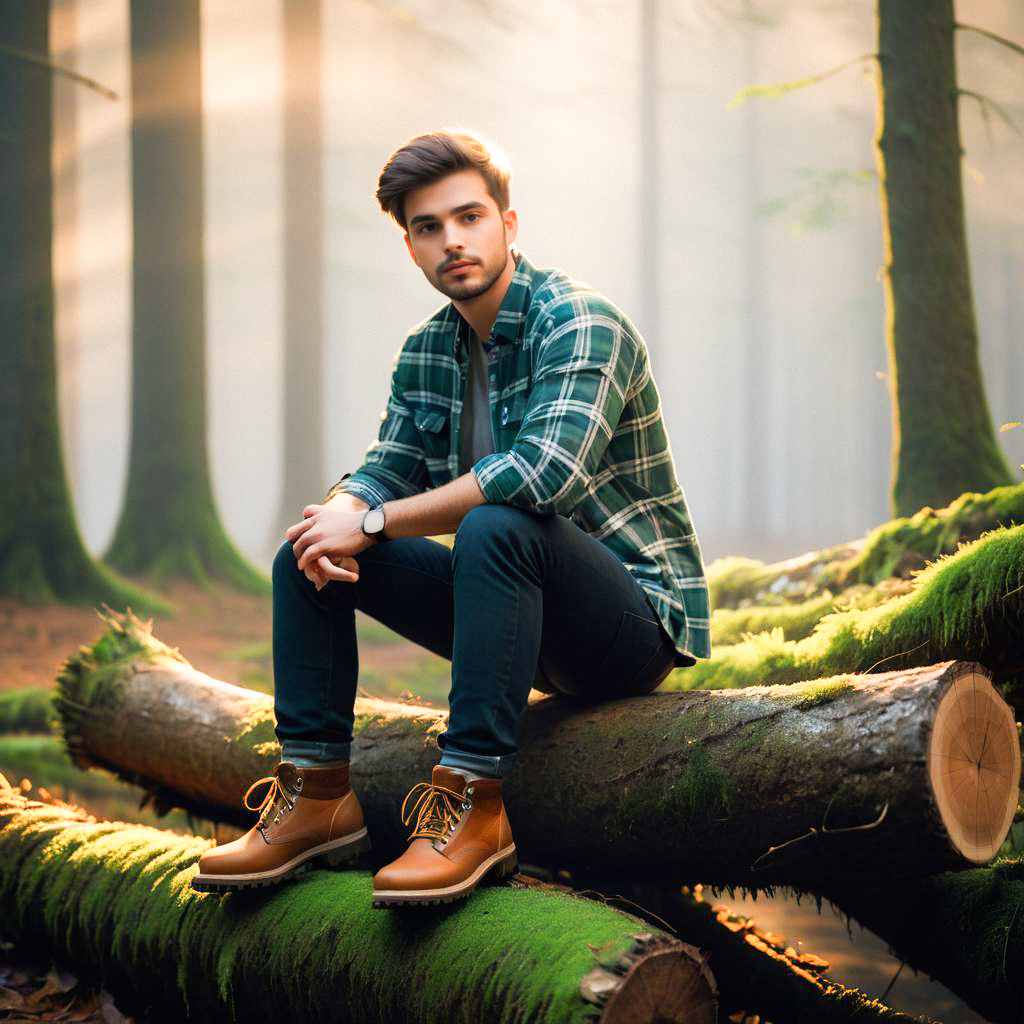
[228, 635]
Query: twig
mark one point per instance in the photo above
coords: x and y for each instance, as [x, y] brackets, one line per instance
[778, 89]
[1016, 47]
[823, 830]
[42, 62]
[898, 654]
[892, 982]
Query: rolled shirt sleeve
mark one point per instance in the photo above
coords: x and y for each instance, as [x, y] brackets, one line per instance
[394, 466]
[581, 380]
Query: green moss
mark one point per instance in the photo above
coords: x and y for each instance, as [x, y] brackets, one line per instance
[118, 897]
[702, 789]
[92, 677]
[797, 619]
[894, 548]
[26, 710]
[969, 605]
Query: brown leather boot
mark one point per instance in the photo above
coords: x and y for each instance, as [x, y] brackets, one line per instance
[461, 834]
[307, 814]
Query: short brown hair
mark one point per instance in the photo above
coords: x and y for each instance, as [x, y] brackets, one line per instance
[427, 158]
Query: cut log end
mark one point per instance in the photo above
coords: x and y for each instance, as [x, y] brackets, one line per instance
[974, 764]
[654, 983]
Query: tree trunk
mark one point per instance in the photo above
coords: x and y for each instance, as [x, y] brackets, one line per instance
[943, 438]
[42, 557]
[169, 528]
[316, 949]
[761, 786]
[303, 477]
[894, 549]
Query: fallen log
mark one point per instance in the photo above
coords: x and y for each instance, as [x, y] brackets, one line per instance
[116, 900]
[968, 606]
[894, 549]
[908, 772]
[798, 619]
[759, 973]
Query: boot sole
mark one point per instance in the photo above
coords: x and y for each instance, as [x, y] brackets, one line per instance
[500, 865]
[337, 853]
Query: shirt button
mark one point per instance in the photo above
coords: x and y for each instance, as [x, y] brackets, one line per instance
[504, 415]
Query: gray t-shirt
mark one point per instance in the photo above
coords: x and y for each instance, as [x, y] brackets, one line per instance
[476, 439]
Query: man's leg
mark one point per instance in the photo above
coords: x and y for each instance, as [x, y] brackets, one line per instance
[534, 589]
[524, 584]
[310, 812]
[404, 583]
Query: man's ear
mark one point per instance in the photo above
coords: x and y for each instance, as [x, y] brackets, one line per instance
[511, 219]
[408, 245]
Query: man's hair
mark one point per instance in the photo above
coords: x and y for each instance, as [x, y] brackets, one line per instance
[427, 158]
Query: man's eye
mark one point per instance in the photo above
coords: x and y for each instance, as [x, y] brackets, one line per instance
[423, 228]
[475, 216]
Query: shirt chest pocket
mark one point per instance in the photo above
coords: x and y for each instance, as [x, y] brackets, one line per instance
[509, 413]
[435, 440]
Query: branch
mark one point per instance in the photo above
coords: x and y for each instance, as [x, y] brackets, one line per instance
[773, 92]
[31, 58]
[1016, 47]
[987, 103]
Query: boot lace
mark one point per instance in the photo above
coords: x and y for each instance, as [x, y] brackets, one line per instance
[276, 793]
[439, 810]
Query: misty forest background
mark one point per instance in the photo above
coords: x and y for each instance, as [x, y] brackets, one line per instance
[745, 240]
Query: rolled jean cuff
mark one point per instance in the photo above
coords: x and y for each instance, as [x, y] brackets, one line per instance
[479, 764]
[305, 752]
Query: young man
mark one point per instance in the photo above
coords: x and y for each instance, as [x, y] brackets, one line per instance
[523, 418]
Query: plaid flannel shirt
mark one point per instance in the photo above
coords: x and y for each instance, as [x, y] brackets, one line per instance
[577, 426]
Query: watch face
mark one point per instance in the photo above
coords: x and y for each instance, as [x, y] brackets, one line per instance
[373, 521]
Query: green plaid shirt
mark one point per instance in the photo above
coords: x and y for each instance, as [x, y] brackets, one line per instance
[577, 426]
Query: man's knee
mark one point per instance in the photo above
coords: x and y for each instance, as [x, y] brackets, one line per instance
[491, 520]
[285, 563]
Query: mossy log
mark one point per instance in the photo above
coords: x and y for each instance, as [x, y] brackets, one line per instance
[964, 928]
[798, 619]
[967, 606]
[759, 973]
[703, 786]
[894, 549]
[115, 900]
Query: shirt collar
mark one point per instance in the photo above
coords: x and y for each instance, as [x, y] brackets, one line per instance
[508, 325]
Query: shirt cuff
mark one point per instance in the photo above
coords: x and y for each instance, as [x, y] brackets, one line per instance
[362, 485]
[498, 477]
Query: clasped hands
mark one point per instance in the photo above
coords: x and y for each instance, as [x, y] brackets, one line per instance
[328, 537]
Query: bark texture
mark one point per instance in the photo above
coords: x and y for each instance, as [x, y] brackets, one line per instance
[169, 528]
[769, 785]
[115, 900]
[943, 438]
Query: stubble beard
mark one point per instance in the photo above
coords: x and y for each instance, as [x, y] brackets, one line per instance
[463, 292]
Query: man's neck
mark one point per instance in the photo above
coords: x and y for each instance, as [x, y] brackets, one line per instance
[481, 312]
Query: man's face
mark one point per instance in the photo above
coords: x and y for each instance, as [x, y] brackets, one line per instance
[457, 235]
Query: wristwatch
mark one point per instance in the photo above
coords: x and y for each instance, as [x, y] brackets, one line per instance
[373, 523]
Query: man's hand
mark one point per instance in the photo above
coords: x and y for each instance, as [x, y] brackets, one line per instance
[327, 538]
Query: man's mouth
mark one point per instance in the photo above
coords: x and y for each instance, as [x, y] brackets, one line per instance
[461, 265]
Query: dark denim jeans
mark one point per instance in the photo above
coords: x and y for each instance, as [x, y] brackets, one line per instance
[523, 599]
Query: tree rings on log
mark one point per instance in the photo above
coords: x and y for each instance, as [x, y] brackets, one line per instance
[655, 981]
[974, 764]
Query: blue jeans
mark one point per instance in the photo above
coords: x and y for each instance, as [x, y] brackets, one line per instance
[523, 599]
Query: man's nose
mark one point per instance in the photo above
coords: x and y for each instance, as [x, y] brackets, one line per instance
[453, 237]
